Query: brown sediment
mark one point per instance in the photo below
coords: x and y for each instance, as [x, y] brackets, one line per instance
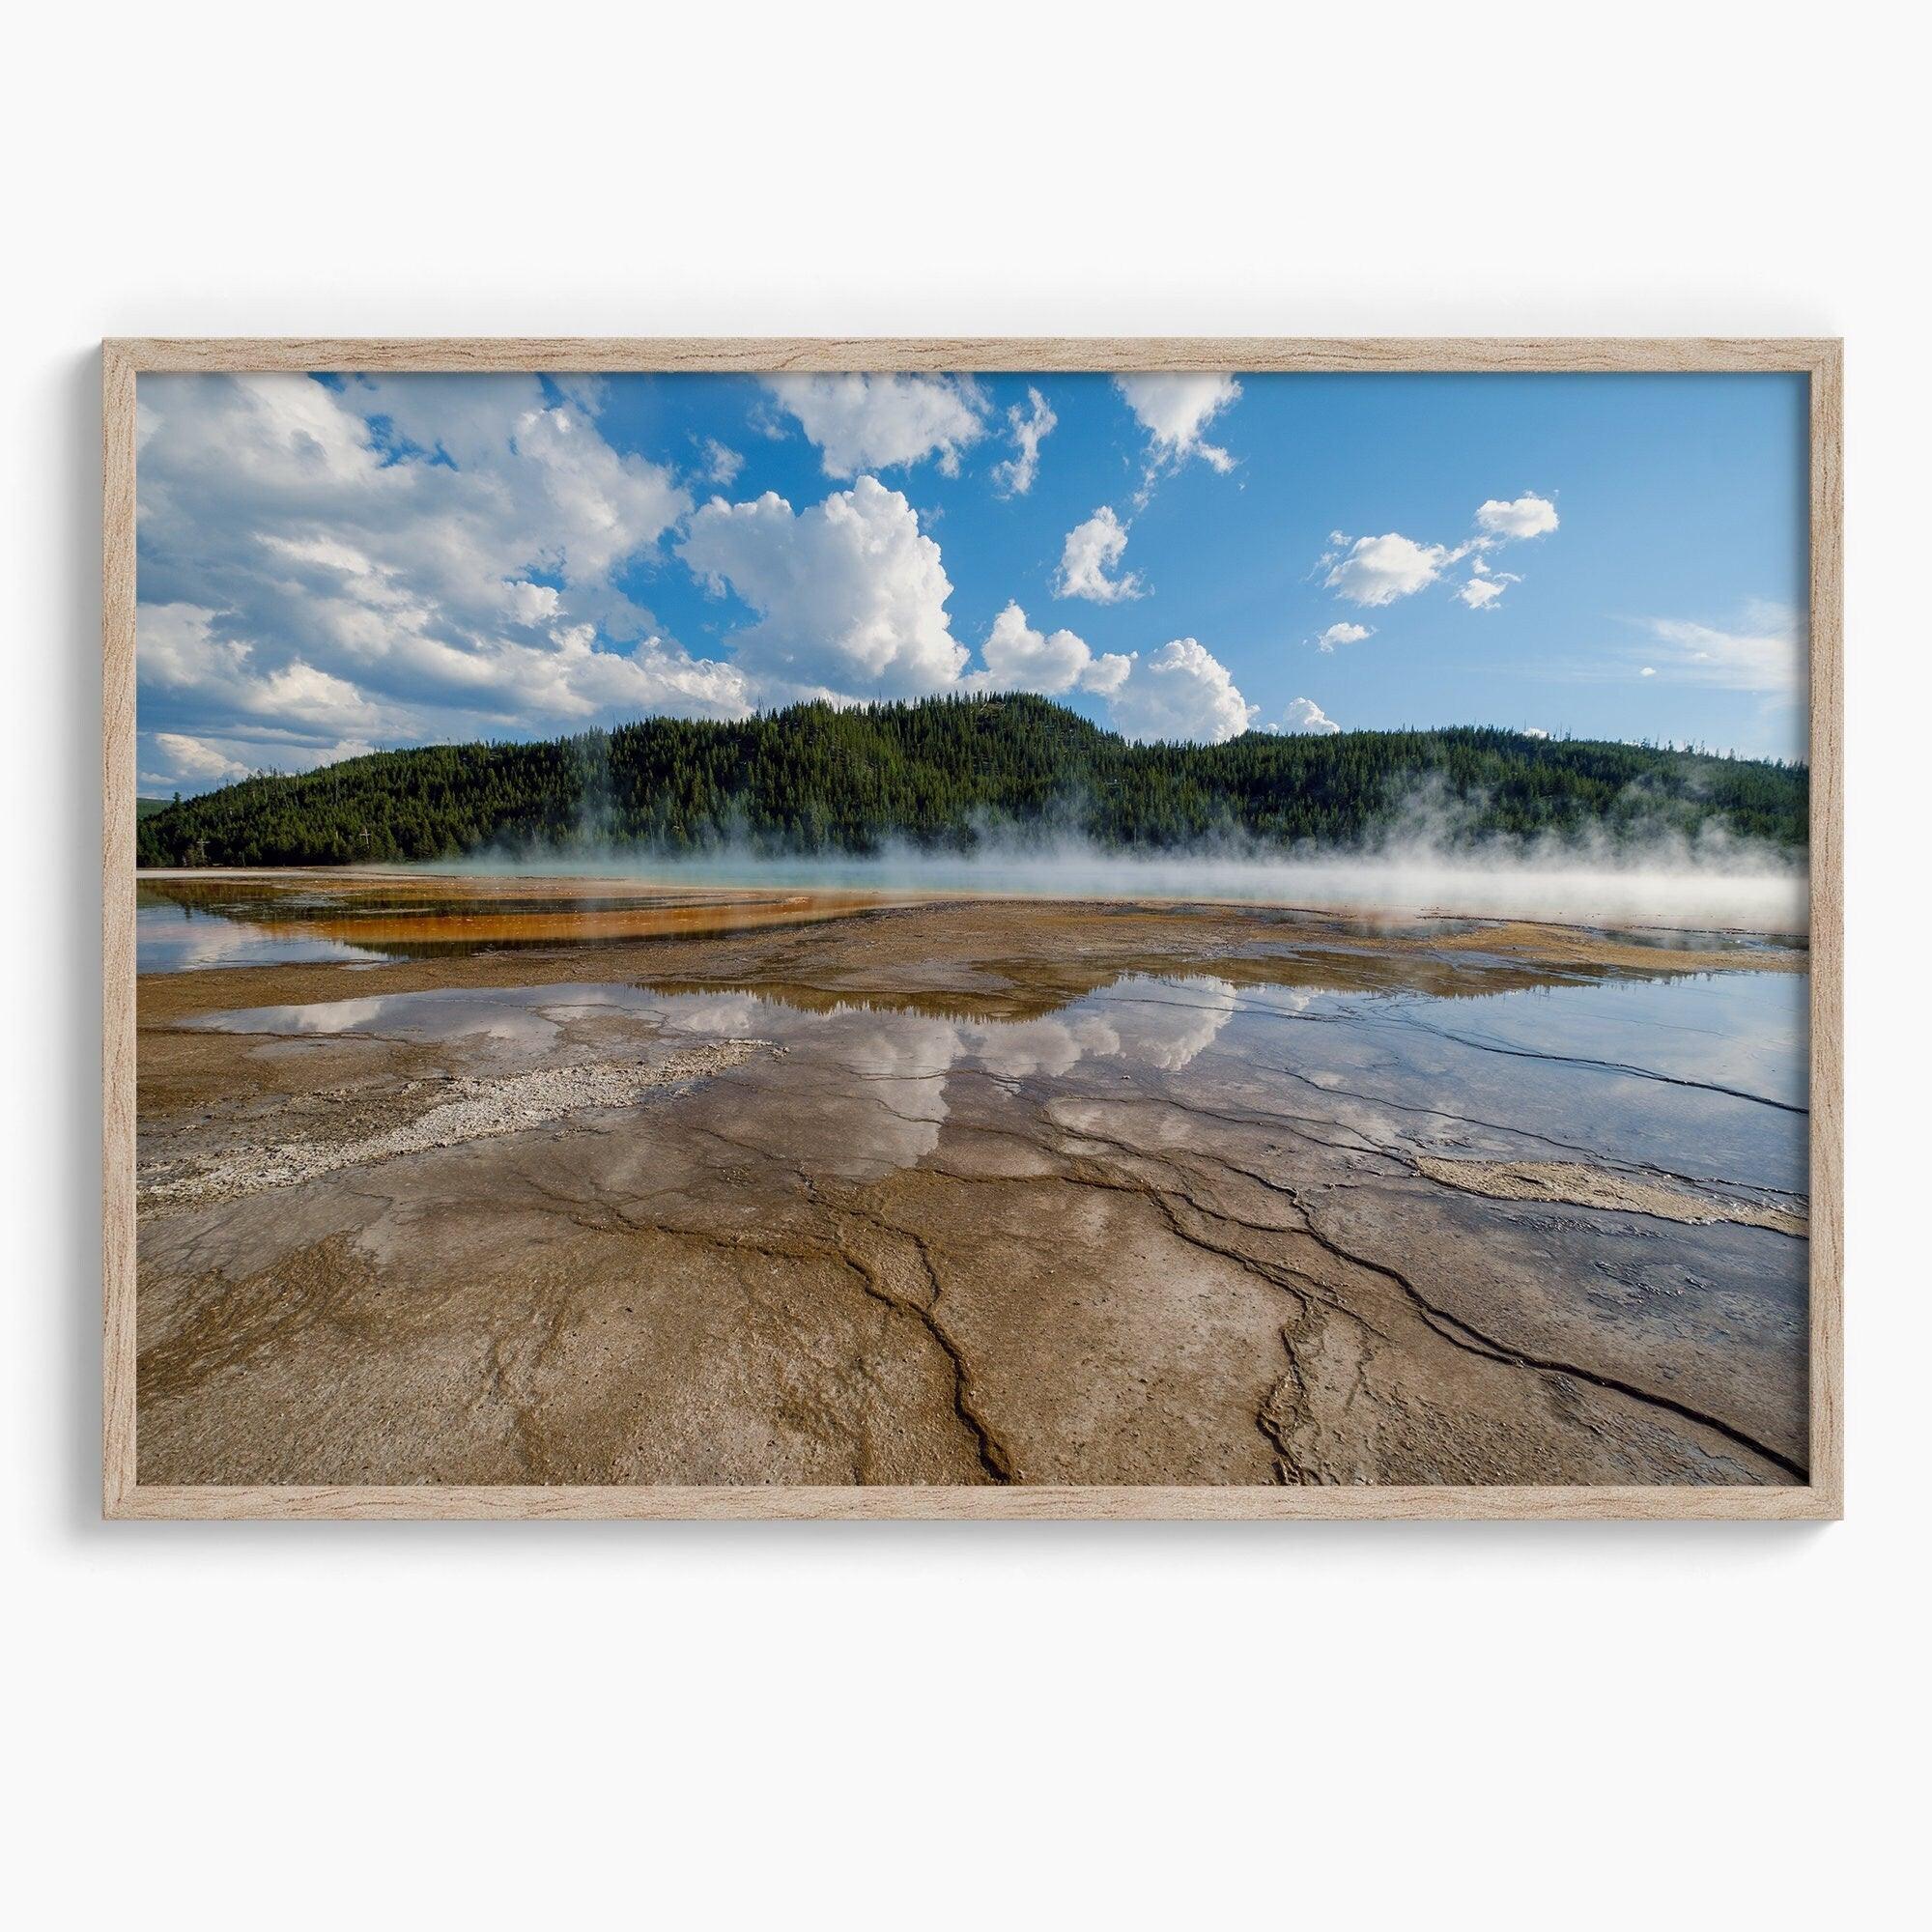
[632, 1257]
[348, 885]
[883, 944]
[378, 909]
[1579, 1186]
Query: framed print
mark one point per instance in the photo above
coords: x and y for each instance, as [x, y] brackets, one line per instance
[1057, 928]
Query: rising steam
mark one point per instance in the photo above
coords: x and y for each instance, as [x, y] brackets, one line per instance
[1712, 881]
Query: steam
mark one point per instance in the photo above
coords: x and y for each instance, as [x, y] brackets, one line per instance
[1713, 881]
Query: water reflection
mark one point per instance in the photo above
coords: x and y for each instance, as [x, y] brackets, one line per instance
[1703, 1076]
[1734, 1030]
[1160, 1022]
[173, 937]
[866, 1089]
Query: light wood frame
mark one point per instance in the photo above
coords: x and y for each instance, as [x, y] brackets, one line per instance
[1821, 361]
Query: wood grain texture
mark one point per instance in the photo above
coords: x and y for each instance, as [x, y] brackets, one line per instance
[116, 914]
[940, 354]
[124, 359]
[1029, 1503]
[1827, 932]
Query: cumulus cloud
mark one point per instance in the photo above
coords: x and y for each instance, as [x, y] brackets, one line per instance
[1527, 516]
[176, 651]
[1534, 732]
[192, 758]
[1175, 410]
[294, 716]
[530, 605]
[883, 422]
[1766, 651]
[1091, 551]
[1375, 571]
[1342, 634]
[1029, 428]
[330, 566]
[1182, 692]
[1019, 658]
[850, 596]
[1305, 718]
[1480, 588]
[650, 676]
[1379, 570]
[179, 761]
[393, 559]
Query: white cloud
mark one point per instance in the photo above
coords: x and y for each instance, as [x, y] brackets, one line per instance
[532, 604]
[193, 760]
[329, 567]
[851, 597]
[1029, 428]
[295, 714]
[1484, 586]
[722, 462]
[325, 568]
[1767, 651]
[1526, 516]
[1019, 658]
[1182, 692]
[323, 700]
[652, 676]
[1342, 634]
[1175, 410]
[1091, 551]
[1305, 718]
[324, 565]
[1377, 570]
[175, 652]
[602, 507]
[1534, 732]
[767, 419]
[880, 423]
[1649, 670]
[183, 663]
[175, 760]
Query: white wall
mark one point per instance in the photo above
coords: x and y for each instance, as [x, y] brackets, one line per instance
[911, 1726]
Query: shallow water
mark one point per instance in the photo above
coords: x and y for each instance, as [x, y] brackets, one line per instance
[188, 924]
[185, 924]
[1702, 1076]
[172, 937]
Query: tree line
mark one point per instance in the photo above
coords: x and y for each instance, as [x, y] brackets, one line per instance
[949, 771]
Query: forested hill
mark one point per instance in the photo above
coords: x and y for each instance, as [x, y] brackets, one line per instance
[950, 771]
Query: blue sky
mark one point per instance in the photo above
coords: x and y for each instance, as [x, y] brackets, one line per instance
[328, 565]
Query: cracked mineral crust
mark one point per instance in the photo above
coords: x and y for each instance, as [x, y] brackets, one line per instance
[982, 1192]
